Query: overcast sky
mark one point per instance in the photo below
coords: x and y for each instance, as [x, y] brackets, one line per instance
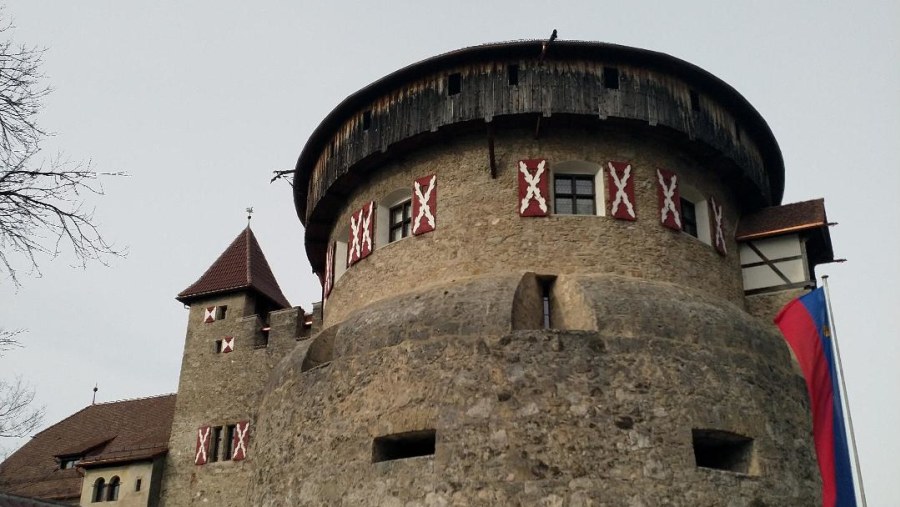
[200, 101]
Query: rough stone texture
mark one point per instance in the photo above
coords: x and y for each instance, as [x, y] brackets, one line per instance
[766, 306]
[539, 417]
[480, 232]
[220, 389]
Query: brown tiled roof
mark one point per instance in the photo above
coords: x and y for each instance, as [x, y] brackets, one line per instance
[784, 219]
[241, 266]
[115, 432]
[7, 500]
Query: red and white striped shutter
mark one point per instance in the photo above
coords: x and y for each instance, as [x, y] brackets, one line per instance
[209, 314]
[717, 225]
[228, 344]
[353, 242]
[669, 199]
[424, 205]
[328, 281]
[240, 441]
[533, 187]
[620, 180]
[367, 230]
[202, 449]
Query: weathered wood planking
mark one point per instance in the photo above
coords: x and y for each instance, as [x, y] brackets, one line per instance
[546, 88]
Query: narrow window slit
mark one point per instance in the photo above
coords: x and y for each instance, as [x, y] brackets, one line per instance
[403, 445]
[611, 78]
[454, 84]
[512, 74]
[546, 286]
[723, 450]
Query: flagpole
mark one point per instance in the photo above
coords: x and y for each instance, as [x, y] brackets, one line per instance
[844, 394]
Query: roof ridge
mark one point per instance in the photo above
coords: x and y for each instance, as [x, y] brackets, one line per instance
[250, 236]
[140, 398]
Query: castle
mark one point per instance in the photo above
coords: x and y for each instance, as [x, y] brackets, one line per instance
[549, 271]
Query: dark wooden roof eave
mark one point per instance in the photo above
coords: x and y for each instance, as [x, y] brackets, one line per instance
[528, 49]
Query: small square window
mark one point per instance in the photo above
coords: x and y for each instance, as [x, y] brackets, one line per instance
[217, 346]
[227, 443]
[454, 84]
[688, 217]
[137, 484]
[512, 75]
[574, 194]
[400, 220]
[611, 78]
[215, 444]
[68, 462]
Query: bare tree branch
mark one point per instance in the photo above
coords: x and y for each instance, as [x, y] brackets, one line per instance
[42, 206]
[17, 417]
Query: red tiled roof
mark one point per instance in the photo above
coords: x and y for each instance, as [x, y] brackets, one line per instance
[115, 432]
[784, 219]
[241, 266]
[7, 500]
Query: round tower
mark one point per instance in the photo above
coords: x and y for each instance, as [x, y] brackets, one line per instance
[534, 294]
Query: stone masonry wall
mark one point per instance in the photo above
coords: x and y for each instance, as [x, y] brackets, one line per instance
[218, 389]
[480, 232]
[539, 417]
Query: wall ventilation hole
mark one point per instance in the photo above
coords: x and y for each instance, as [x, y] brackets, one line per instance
[723, 450]
[454, 84]
[695, 100]
[611, 78]
[367, 120]
[512, 75]
[403, 445]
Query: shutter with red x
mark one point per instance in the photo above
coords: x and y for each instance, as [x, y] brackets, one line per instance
[533, 187]
[424, 205]
[362, 231]
[227, 344]
[669, 199]
[200, 453]
[240, 440]
[717, 223]
[620, 180]
[209, 314]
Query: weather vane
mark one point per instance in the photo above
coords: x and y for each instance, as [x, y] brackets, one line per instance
[249, 214]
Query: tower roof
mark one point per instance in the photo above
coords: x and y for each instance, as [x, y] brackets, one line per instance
[242, 266]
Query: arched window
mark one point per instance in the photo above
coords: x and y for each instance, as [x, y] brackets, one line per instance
[112, 490]
[99, 489]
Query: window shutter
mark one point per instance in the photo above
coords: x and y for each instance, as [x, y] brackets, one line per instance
[209, 314]
[717, 225]
[328, 282]
[202, 449]
[533, 193]
[669, 199]
[228, 344]
[240, 441]
[620, 181]
[362, 232]
[424, 206]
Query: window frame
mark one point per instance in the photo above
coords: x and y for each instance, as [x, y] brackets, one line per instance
[580, 169]
[701, 212]
[99, 490]
[405, 223]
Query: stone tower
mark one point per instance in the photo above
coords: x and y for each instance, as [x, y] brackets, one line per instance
[239, 325]
[539, 290]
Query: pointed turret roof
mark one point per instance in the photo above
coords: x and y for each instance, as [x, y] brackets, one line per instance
[242, 266]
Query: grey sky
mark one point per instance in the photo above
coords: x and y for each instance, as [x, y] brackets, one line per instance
[199, 102]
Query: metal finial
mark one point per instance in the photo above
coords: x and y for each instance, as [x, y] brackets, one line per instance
[249, 214]
[94, 399]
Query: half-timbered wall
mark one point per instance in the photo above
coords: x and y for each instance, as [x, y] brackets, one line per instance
[774, 263]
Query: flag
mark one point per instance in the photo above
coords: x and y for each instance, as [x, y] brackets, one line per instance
[804, 324]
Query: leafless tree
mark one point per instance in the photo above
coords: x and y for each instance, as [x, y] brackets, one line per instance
[18, 417]
[42, 207]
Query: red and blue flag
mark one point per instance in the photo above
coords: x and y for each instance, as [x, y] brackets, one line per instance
[804, 323]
